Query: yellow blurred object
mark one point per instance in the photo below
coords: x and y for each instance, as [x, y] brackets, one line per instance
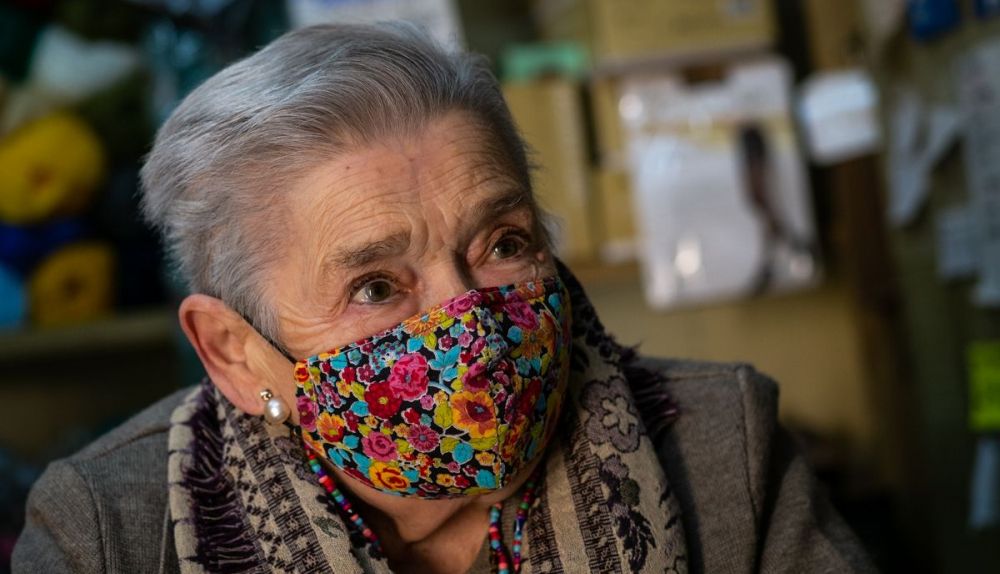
[49, 167]
[623, 31]
[983, 358]
[550, 115]
[616, 215]
[73, 284]
[612, 187]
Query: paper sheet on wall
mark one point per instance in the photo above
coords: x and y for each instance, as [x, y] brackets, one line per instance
[957, 243]
[920, 136]
[978, 76]
[839, 114]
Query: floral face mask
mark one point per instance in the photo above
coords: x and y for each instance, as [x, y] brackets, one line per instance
[453, 402]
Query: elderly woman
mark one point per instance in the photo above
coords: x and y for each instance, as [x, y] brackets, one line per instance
[401, 376]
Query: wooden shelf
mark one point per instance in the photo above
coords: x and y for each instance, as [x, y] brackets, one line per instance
[121, 332]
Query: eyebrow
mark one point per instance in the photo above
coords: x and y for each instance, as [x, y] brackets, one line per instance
[355, 257]
[493, 208]
[396, 244]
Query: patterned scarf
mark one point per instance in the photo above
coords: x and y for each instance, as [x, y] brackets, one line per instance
[242, 498]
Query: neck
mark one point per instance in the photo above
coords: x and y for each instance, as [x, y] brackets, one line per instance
[418, 521]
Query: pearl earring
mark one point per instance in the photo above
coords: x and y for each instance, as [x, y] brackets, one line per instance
[275, 409]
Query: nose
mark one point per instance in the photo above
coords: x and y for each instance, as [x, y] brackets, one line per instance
[443, 281]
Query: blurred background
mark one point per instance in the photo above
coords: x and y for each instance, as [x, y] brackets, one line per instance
[812, 186]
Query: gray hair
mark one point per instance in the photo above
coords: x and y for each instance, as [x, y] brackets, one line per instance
[212, 183]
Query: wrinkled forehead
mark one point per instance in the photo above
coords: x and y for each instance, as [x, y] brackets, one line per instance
[441, 179]
[450, 156]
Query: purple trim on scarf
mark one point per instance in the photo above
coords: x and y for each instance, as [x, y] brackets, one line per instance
[220, 525]
[656, 407]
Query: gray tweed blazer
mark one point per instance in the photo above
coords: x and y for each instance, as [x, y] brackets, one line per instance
[749, 501]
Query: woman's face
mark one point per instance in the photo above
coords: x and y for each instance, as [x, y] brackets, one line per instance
[386, 231]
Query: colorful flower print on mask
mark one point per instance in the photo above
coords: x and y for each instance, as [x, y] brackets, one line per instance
[455, 401]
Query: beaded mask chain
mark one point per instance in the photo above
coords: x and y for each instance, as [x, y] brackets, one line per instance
[502, 564]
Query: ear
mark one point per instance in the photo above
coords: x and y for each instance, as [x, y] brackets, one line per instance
[221, 337]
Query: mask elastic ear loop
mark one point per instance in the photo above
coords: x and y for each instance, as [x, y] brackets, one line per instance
[281, 350]
[270, 341]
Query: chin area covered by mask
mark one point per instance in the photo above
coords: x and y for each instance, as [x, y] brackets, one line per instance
[453, 402]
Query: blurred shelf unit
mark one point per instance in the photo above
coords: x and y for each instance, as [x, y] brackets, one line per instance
[623, 34]
[134, 330]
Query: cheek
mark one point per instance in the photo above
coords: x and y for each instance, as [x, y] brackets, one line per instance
[355, 324]
[370, 322]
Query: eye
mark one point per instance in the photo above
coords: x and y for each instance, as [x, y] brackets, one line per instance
[373, 291]
[510, 245]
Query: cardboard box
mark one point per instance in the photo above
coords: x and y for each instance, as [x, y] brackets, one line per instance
[624, 31]
[550, 115]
